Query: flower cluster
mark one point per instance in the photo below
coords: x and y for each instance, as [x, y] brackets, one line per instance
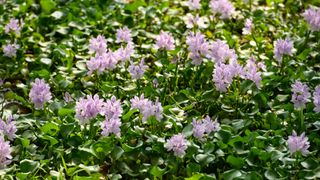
[300, 94]
[112, 110]
[5, 152]
[111, 126]
[147, 108]
[195, 21]
[124, 53]
[101, 62]
[194, 4]
[298, 143]
[124, 35]
[165, 41]
[316, 99]
[137, 71]
[204, 126]
[248, 25]
[8, 128]
[178, 144]
[98, 45]
[88, 108]
[250, 71]
[282, 47]
[223, 7]
[198, 46]
[40, 93]
[10, 50]
[14, 25]
[221, 52]
[312, 16]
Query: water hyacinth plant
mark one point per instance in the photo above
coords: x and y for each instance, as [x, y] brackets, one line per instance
[140, 89]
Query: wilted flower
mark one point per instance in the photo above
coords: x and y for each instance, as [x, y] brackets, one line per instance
[312, 16]
[194, 4]
[316, 99]
[123, 35]
[178, 144]
[222, 7]
[298, 143]
[88, 108]
[40, 93]
[112, 108]
[248, 25]
[137, 71]
[8, 128]
[250, 72]
[14, 25]
[165, 41]
[98, 45]
[300, 94]
[111, 126]
[221, 52]
[5, 152]
[282, 47]
[147, 108]
[10, 50]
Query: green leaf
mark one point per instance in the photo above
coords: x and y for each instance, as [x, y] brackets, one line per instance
[50, 128]
[157, 171]
[271, 174]
[57, 15]
[28, 166]
[117, 153]
[47, 5]
[235, 162]
[231, 174]
[64, 112]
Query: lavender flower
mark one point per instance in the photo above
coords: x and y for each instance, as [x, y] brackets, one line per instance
[124, 54]
[40, 93]
[204, 126]
[282, 47]
[221, 52]
[248, 25]
[5, 153]
[222, 7]
[312, 16]
[137, 72]
[14, 25]
[112, 108]
[88, 108]
[101, 62]
[67, 97]
[250, 72]
[198, 129]
[211, 126]
[192, 21]
[300, 94]
[298, 143]
[198, 47]
[147, 108]
[178, 144]
[165, 41]
[194, 4]
[10, 50]
[124, 35]
[316, 99]
[111, 126]
[8, 128]
[222, 77]
[98, 45]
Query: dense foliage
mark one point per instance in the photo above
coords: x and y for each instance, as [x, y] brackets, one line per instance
[160, 89]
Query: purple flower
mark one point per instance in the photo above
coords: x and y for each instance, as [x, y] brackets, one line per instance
[137, 72]
[178, 144]
[101, 62]
[112, 108]
[300, 94]
[198, 46]
[67, 97]
[111, 126]
[221, 52]
[165, 41]
[298, 143]
[312, 16]
[248, 25]
[5, 152]
[222, 7]
[250, 72]
[192, 21]
[124, 54]
[14, 25]
[40, 93]
[88, 108]
[147, 108]
[8, 128]
[98, 45]
[282, 47]
[124, 35]
[316, 99]
[194, 4]
[204, 126]
[222, 77]
[10, 50]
